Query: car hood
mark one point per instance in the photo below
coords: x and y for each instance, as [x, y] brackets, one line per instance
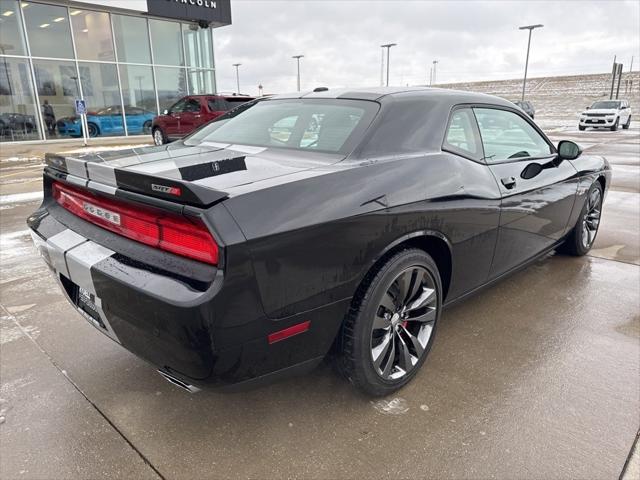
[609, 111]
[209, 171]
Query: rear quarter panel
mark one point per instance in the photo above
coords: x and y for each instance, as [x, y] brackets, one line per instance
[313, 240]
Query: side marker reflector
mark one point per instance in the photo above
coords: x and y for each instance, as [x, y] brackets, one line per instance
[289, 332]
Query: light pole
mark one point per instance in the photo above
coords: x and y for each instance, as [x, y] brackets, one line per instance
[435, 64]
[298, 57]
[260, 90]
[388, 47]
[526, 63]
[237, 77]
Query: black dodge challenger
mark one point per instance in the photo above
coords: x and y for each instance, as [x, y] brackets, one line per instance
[331, 220]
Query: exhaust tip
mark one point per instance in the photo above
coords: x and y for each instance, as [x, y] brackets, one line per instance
[178, 383]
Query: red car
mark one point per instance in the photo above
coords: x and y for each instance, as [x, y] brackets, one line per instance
[189, 113]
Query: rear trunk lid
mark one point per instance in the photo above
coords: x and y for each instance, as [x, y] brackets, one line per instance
[192, 175]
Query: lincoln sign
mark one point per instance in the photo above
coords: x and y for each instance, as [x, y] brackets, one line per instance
[215, 13]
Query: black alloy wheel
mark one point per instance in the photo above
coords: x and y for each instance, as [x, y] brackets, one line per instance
[583, 235]
[390, 328]
[591, 218]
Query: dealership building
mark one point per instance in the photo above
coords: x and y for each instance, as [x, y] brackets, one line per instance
[128, 59]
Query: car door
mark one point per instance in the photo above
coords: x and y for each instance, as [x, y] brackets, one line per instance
[624, 112]
[537, 190]
[190, 117]
[111, 121]
[173, 117]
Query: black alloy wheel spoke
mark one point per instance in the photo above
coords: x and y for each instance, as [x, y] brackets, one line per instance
[403, 323]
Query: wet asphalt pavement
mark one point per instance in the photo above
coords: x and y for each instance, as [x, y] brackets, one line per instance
[536, 377]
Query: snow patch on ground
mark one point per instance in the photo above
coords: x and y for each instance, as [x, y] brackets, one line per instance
[20, 159]
[20, 198]
[395, 406]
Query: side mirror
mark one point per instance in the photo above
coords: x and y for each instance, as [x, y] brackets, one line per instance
[568, 150]
[165, 112]
[587, 108]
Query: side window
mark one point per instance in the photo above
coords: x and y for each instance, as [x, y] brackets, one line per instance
[506, 135]
[218, 105]
[461, 134]
[178, 107]
[192, 106]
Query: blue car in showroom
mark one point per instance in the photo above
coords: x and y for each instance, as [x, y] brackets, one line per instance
[108, 121]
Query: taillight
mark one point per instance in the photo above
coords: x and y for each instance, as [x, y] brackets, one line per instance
[180, 235]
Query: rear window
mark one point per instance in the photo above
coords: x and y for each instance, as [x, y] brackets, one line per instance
[226, 104]
[324, 125]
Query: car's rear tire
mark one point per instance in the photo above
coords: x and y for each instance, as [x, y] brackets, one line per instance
[581, 128]
[583, 235]
[146, 127]
[628, 124]
[614, 127]
[158, 136]
[391, 324]
[93, 129]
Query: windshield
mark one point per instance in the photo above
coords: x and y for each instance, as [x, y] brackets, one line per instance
[606, 105]
[323, 125]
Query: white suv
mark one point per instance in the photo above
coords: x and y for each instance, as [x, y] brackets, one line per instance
[606, 113]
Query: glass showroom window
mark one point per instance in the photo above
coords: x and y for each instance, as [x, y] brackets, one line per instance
[201, 81]
[139, 98]
[166, 38]
[171, 84]
[18, 115]
[57, 87]
[198, 46]
[92, 33]
[11, 35]
[48, 30]
[199, 51]
[132, 39]
[101, 92]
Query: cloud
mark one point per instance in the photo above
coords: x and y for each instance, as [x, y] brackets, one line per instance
[472, 40]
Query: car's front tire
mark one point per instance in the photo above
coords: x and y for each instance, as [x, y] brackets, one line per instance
[614, 127]
[158, 136]
[581, 128]
[391, 324]
[583, 235]
[628, 124]
[93, 129]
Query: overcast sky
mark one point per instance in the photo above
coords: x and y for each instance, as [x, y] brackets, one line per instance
[472, 40]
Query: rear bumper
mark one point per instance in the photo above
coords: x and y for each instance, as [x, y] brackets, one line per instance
[182, 316]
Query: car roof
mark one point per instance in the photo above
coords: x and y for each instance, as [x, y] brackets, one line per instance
[217, 95]
[379, 93]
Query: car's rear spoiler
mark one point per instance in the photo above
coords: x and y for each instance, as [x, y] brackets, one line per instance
[93, 172]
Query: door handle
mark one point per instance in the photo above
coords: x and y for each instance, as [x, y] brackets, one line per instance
[509, 182]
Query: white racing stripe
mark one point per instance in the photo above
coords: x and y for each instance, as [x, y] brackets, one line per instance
[102, 173]
[80, 260]
[72, 255]
[76, 167]
[58, 245]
